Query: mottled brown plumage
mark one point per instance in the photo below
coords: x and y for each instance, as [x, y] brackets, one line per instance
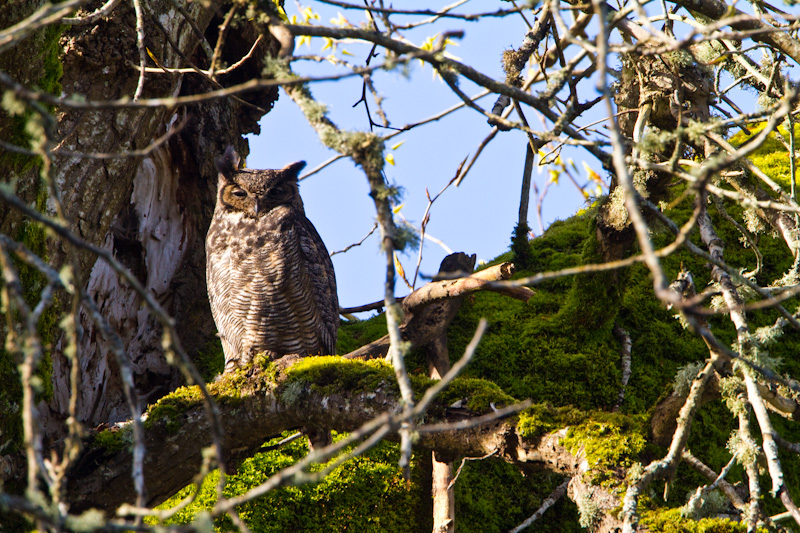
[270, 279]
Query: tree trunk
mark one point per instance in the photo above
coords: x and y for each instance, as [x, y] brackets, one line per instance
[151, 211]
[442, 491]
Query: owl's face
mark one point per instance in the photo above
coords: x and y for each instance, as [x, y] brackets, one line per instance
[257, 192]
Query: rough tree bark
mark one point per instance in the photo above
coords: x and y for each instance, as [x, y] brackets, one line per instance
[151, 211]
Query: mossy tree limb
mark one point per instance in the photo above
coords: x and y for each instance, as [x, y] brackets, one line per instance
[262, 402]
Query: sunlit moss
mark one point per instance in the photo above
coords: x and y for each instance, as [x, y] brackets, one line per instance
[671, 521]
[544, 418]
[772, 157]
[329, 374]
[332, 374]
[170, 408]
[610, 442]
[228, 389]
[367, 493]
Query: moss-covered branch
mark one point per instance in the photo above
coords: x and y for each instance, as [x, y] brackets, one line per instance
[329, 392]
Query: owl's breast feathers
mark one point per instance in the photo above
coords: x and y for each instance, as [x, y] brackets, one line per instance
[271, 286]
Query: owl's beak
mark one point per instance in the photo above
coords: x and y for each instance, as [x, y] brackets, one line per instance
[255, 207]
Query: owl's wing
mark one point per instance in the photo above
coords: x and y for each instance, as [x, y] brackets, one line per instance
[223, 285]
[323, 280]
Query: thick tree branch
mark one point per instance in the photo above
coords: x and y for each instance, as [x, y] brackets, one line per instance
[420, 327]
[265, 402]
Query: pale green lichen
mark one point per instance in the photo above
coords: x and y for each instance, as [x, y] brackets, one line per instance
[745, 449]
[91, 520]
[703, 504]
[685, 377]
[617, 212]
[589, 510]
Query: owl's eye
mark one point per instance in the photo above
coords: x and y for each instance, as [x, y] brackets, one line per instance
[239, 193]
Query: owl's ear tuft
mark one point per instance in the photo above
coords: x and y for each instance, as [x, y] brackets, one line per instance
[228, 163]
[294, 169]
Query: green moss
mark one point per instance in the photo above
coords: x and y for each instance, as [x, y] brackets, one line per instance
[45, 48]
[170, 408]
[610, 441]
[711, 428]
[113, 440]
[42, 48]
[367, 493]
[354, 334]
[33, 236]
[210, 360]
[492, 496]
[50, 82]
[480, 395]
[329, 374]
[593, 299]
[790, 464]
[525, 350]
[541, 419]
[228, 389]
[671, 521]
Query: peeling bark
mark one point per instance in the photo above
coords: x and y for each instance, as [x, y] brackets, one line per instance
[150, 237]
[152, 212]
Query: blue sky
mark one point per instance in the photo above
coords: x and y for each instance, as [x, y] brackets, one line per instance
[476, 217]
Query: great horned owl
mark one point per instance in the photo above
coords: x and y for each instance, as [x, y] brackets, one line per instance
[270, 279]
